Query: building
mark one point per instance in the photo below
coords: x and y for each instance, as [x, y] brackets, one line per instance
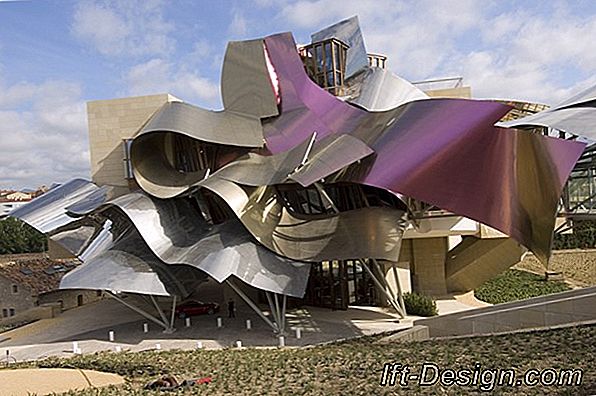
[10, 199]
[326, 180]
[31, 280]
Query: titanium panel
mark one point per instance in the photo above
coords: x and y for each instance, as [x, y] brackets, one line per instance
[116, 271]
[349, 32]
[258, 170]
[48, 211]
[177, 234]
[442, 151]
[576, 115]
[91, 201]
[220, 127]
[245, 84]
[368, 232]
[152, 167]
[344, 150]
[117, 259]
[381, 90]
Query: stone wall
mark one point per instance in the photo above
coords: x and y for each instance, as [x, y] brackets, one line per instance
[69, 299]
[20, 301]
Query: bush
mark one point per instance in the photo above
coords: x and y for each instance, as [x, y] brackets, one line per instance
[514, 285]
[420, 305]
[583, 236]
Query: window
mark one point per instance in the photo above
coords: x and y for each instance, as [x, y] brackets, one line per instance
[4, 312]
[15, 289]
[127, 143]
[12, 312]
[325, 63]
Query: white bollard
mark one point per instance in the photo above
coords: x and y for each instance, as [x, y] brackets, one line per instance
[118, 348]
[111, 336]
[187, 322]
[75, 346]
[298, 333]
[199, 344]
[145, 328]
[238, 344]
[219, 322]
[248, 324]
[282, 341]
[158, 346]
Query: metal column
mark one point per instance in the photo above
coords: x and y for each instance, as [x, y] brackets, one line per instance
[152, 318]
[251, 304]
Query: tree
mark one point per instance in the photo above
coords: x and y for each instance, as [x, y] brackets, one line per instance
[17, 236]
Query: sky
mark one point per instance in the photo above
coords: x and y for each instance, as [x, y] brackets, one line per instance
[57, 55]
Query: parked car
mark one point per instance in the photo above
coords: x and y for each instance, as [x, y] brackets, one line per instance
[192, 308]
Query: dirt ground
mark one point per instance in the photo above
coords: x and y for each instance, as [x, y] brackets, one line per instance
[578, 266]
[45, 381]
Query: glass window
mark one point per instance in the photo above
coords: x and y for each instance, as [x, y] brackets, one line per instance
[337, 50]
[328, 57]
[319, 57]
[4, 312]
[15, 289]
[330, 79]
[12, 312]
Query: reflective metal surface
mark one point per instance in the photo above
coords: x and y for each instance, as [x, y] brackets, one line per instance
[245, 84]
[380, 90]
[48, 212]
[576, 115]
[221, 127]
[327, 159]
[260, 170]
[445, 152]
[129, 266]
[177, 234]
[91, 201]
[349, 32]
[367, 232]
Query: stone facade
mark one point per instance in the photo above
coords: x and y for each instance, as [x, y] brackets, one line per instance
[69, 299]
[14, 298]
[428, 265]
[110, 122]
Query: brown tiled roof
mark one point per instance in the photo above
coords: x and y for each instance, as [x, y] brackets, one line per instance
[36, 271]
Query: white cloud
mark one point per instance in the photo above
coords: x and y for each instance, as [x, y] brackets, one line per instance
[160, 76]
[238, 26]
[46, 134]
[123, 28]
[537, 52]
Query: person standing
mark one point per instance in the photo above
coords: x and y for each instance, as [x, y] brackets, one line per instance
[231, 309]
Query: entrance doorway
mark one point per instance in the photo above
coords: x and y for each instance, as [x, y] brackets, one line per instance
[338, 283]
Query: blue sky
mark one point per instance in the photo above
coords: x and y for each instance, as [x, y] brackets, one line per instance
[56, 55]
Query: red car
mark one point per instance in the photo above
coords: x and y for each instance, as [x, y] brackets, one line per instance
[192, 308]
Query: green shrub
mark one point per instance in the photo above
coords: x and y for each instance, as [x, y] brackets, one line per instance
[514, 285]
[582, 237]
[420, 305]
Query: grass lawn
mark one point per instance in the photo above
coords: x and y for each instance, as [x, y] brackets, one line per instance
[349, 368]
[514, 285]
